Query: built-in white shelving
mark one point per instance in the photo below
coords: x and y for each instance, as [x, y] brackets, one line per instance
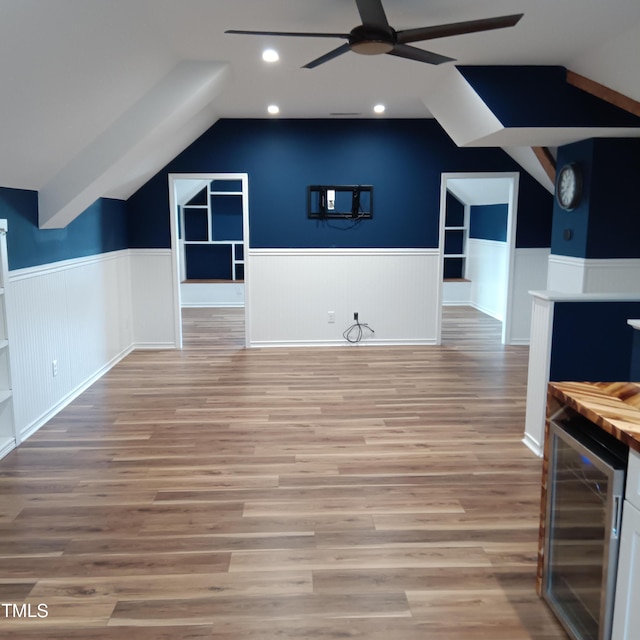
[455, 245]
[8, 438]
[202, 226]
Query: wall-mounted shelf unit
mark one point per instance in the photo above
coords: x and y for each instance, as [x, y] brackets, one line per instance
[212, 232]
[456, 234]
[8, 439]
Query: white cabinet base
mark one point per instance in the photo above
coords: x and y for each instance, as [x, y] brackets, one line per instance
[626, 617]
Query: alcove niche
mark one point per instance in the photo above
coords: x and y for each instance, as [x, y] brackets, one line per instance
[211, 241]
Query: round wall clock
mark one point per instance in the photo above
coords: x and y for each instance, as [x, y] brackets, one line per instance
[569, 186]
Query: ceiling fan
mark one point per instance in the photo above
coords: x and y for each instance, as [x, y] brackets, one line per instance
[375, 35]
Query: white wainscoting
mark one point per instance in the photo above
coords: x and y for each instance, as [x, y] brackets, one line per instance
[565, 274]
[212, 294]
[580, 275]
[154, 317]
[538, 375]
[530, 273]
[76, 312]
[456, 294]
[615, 275]
[291, 292]
[487, 267]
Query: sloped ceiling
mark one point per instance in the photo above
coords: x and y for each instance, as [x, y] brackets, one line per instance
[503, 105]
[74, 73]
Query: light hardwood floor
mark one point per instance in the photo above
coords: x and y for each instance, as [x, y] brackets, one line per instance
[218, 493]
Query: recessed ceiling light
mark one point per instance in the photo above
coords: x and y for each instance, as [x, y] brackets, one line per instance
[270, 55]
[379, 108]
[273, 109]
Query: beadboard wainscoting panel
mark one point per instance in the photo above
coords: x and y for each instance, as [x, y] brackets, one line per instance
[153, 302]
[617, 275]
[487, 266]
[588, 275]
[530, 274]
[212, 294]
[565, 274]
[99, 317]
[70, 322]
[294, 294]
[538, 372]
[456, 293]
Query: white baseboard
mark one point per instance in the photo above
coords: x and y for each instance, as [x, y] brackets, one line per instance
[7, 448]
[154, 345]
[214, 305]
[343, 343]
[532, 445]
[486, 311]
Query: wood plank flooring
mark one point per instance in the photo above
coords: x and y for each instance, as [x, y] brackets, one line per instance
[220, 493]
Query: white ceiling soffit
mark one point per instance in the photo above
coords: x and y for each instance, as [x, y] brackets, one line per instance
[148, 135]
[187, 188]
[528, 160]
[480, 190]
[471, 123]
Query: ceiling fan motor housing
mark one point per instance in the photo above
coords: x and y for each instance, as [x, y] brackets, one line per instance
[371, 41]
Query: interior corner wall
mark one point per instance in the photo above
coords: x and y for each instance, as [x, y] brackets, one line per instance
[487, 266]
[488, 258]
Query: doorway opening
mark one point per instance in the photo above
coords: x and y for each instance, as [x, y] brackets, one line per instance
[209, 242]
[478, 214]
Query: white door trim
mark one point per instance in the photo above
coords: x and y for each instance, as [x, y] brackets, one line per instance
[512, 217]
[173, 178]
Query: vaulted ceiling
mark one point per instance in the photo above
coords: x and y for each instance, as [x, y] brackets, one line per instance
[97, 95]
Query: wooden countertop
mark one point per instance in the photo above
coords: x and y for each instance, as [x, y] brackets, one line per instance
[613, 406]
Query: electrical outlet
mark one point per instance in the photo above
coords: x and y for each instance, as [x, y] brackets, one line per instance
[54, 368]
[331, 316]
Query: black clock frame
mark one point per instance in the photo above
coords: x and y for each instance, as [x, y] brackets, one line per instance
[577, 196]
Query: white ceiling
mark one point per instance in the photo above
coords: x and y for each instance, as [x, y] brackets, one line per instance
[71, 70]
[480, 190]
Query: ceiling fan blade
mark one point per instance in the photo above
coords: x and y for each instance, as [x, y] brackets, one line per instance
[328, 56]
[372, 14]
[413, 53]
[457, 28]
[301, 34]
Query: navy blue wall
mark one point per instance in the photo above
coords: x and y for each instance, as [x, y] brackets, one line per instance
[402, 159]
[592, 341]
[576, 221]
[614, 216]
[635, 357]
[99, 229]
[606, 223]
[454, 211]
[489, 222]
[539, 96]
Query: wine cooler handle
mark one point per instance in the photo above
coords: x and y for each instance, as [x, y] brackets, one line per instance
[617, 517]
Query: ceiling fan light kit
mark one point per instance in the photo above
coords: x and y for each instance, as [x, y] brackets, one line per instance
[375, 36]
